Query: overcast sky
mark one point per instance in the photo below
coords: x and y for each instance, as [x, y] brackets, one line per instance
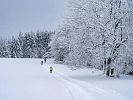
[29, 15]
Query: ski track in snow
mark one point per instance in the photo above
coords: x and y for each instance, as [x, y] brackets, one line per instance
[76, 92]
[84, 91]
[27, 80]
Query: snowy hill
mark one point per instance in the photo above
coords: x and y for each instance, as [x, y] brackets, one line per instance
[27, 79]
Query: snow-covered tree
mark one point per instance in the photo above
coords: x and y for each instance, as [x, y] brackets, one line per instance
[60, 43]
[13, 48]
[3, 48]
[100, 35]
[42, 40]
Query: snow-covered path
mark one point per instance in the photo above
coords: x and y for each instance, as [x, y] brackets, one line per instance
[26, 79]
[83, 90]
[29, 81]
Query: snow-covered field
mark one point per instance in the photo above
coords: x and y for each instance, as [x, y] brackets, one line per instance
[26, 79]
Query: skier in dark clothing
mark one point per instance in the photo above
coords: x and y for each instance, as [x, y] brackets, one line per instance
[41, 62]
[45, 59]
[51, 69]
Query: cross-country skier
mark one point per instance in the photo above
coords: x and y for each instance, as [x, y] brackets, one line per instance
[41, 62]
[51, 69]
[45, 59]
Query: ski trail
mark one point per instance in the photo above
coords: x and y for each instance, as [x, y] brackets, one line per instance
[98, 93]
[85, 91]
[69, 91]
[85, 95]
[75, 91]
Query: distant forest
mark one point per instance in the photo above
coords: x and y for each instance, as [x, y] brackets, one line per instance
[26, 45]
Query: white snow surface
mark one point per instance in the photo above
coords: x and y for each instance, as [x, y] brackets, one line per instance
[27, 79]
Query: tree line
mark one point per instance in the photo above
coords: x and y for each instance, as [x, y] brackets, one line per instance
[26, 45]
[96, 34]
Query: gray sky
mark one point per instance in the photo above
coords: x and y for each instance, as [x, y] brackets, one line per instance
[29, 15]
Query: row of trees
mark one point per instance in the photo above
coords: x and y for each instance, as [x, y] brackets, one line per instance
[97, 33]
[27, 45]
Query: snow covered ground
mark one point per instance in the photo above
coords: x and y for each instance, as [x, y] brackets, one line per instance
[26, 79]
